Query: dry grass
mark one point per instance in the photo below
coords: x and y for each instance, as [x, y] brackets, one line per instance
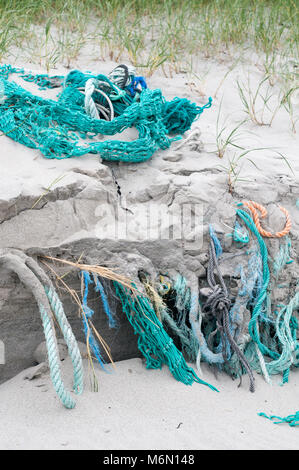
[110, 275]
[87, 321]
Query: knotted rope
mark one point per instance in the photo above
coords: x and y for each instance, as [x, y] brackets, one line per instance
[33, 277]
[218, 303]
[122, 75]
[254, 207]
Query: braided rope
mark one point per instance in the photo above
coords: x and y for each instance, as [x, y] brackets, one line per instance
[253, 323]
[195, 318]
[219, 303]
[89, 104]
[33, 277]
[69, 337]
[288, 343]
[254, 207]
[53, 357]
[122, 75]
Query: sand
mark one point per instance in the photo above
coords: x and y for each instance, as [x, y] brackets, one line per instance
[137, 408]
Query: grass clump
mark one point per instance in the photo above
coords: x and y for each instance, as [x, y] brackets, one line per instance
[149, 34]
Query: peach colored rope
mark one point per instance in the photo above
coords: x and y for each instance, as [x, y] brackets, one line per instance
[254, 207]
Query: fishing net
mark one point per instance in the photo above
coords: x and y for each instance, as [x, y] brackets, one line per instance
[88, 107]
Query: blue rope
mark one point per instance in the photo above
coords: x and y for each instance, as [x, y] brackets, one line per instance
[133, 88]
[93, 344]
[99, 288]
[217, 244]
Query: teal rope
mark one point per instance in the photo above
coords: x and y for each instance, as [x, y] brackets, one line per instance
[257, 310]
[69, 338]
[153, 341]
[53, 357]
[57, 128]
[292, 420]
[34, 277]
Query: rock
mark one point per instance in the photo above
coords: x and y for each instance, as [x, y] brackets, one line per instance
[158, 188]
[41, 355]
[83, 349]
[180, 180]
[141, 195]
[203, 258]
[36, 371]
[173, 156]
[193, 264]
[205, 291]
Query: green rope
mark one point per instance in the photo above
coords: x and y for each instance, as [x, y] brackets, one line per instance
[292, 420]
[69, 337]
[62, 129]
[253, 328]
[31, 275]
[153, 341]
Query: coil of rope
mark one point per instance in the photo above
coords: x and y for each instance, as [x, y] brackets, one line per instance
[254, 207]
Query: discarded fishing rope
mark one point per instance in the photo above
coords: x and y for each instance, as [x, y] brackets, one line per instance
[292, 420]
[171, 304]
[65, 128]
[87, 314]
[218, 302]
[35, 279]
[253, 323]
[280, 348]
[153, 341]
[254, 207]
[91, 341]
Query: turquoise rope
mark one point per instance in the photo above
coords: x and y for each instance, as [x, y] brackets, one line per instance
[53, 357]
[292, 420]
[153, 341]
[57, 128]
[69, 338]
[30, 273]
[257, 310]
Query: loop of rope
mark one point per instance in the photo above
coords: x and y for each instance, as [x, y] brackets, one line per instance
[33, 277]
[91, 107]
[254, 207]
[69, 338]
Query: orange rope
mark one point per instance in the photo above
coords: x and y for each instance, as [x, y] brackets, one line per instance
[254, 207]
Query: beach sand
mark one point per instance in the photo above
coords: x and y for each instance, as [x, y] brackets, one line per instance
[137, 408]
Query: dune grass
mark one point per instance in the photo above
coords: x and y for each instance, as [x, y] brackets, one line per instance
[151, 34]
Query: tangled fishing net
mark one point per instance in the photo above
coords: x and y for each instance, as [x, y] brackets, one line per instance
[88, 107]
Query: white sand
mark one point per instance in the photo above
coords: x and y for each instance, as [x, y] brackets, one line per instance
[137, 408]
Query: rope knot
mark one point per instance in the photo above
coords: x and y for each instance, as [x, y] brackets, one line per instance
[218, 300]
